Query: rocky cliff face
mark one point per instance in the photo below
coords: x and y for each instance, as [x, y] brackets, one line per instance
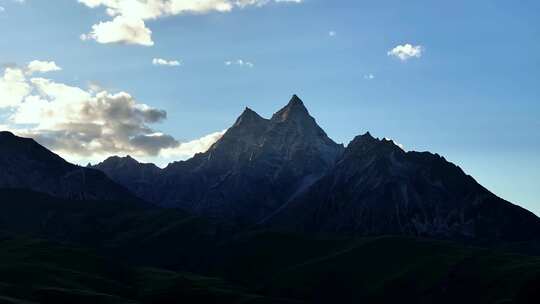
[27, 165]
[256, 167]
[377, 188]
[285, 173]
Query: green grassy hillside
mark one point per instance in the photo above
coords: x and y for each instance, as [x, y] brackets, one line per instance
[37, 271]
[379, 270]
[106, 252]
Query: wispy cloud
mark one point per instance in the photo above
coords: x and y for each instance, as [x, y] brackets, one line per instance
[369, 77]
[240, 62]
[406, 51]
[128, 24]
[164, 62]
[332, 33]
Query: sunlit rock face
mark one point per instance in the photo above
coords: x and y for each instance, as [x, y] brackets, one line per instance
[27, 165]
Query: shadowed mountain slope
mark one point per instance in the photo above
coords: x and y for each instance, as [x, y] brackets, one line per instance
[287, 174]
[27, 165]
[254, 169]
[376, 188]
[137, 177]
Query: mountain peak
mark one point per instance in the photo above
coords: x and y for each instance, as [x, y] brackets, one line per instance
[366, 137]
[296, 100]
[129, 158]
[293, 110]
[248, 117]
[7, 137]
[366, 143]
[6, 134]
[120, 161]
[15, 146]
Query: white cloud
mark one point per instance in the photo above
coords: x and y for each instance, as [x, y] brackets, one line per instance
[240, 62]
[166, 156]
[406, 51]
[129, 16]
[72, 120]
[190, 148]
[2, 9]
[89, 124]
[332, 33]
[369, 76]
[160, 61]
[38, 66]
[94, 87]
[13, 88]
[121, 29]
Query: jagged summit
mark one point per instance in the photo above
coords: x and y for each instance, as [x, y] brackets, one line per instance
[118, 161]
[256, 166]
[295, 102]
[126, 158]
[295, 109]
[128, 171]
[366, 144]
[368, 140]
[360, 139]
[248, 117]
[291, 126]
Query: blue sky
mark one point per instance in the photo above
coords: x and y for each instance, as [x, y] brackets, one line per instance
[472, 95]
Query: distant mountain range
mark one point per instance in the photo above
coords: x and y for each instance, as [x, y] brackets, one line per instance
[274, 212]
[287, 174]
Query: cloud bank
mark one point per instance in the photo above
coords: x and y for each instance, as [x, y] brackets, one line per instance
[86, 123]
